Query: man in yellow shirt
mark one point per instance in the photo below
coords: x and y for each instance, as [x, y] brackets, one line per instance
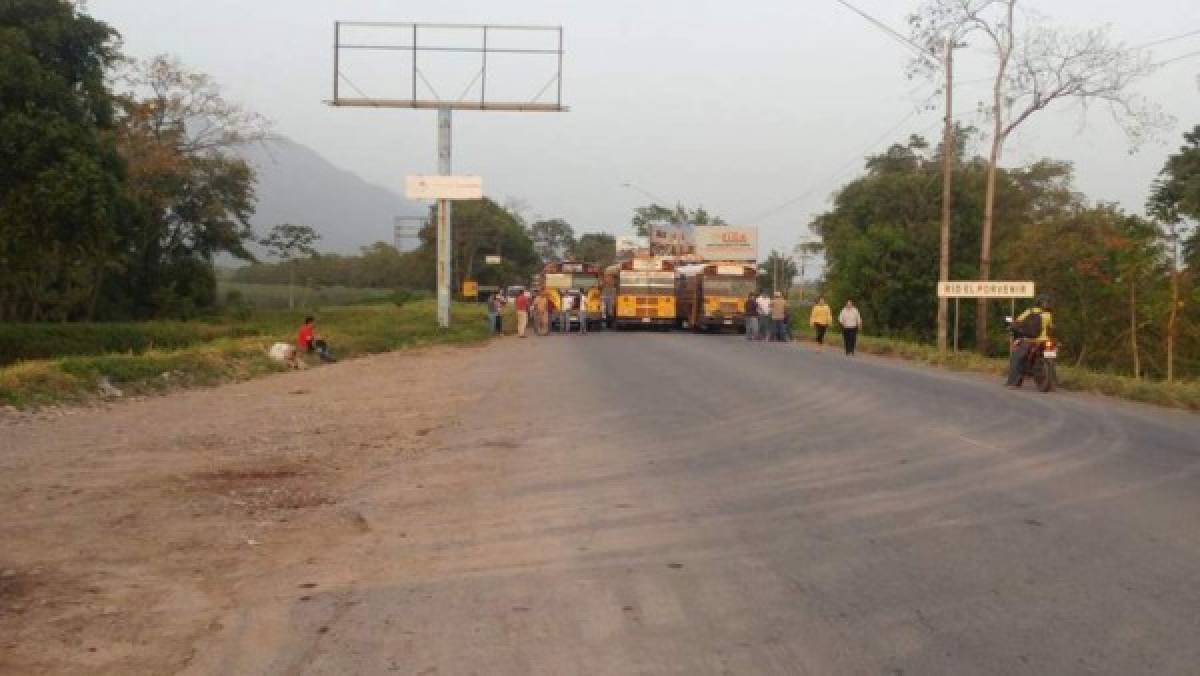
[1036, 320]
[820, 319]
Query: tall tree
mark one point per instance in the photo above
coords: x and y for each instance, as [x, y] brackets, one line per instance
[60, 177]
[481, 227]
[596, 247]
[1175, 202]
[777, 272]
[179, 136]
[287, 242]
[656, 213]
[552, 238]
[1035, 67]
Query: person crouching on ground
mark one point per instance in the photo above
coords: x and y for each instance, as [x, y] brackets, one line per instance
[308, 340]
[820, 319]
[851, 322]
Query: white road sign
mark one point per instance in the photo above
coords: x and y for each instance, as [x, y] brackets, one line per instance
[989, 289]
[443, 187]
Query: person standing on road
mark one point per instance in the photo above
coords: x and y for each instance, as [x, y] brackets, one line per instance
[851, 322]
[541, 314]
[779, 317]
[751, 311]
[493, 311]
[764, 316]
[522, 312]
[567, 303]
[820, 319]
[583, 314]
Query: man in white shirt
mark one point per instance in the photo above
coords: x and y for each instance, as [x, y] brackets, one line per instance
[851, 322]
[568, 303]
[765, 325]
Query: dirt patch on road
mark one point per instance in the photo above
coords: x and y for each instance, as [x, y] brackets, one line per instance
[130, 529]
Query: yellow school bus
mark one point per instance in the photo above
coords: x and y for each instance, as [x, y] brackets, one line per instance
[713, 295]
[641, 292]
[562, 276]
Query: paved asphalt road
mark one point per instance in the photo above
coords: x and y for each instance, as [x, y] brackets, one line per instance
[673, 503]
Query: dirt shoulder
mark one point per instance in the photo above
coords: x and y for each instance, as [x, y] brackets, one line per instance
[131, 528]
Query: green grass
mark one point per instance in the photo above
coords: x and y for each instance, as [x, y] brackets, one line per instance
[23, 341]
[233, 351]
[1184, 395]
[275, 296]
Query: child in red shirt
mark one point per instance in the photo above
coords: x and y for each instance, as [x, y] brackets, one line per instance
[307, 340]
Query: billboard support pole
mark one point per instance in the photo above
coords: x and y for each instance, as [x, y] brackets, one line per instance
[445, 231]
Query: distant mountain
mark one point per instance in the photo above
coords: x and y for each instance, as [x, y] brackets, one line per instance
[297, 185]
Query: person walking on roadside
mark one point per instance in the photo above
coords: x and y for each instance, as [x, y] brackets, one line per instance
[493, 311]
[751, 311]
[820, 319]
[541, 314]
[764, 316]
[568, 302]
[522, 312]
[851, 322]
[779, 313]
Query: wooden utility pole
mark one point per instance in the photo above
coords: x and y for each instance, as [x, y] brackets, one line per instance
[948, 148]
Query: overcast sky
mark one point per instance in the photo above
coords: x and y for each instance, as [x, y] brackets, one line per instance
[739, 106]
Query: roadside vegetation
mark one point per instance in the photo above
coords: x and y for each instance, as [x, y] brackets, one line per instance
[1184, 394]
[109, 360]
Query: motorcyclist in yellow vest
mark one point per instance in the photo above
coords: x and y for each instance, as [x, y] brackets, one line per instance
[1023, 344]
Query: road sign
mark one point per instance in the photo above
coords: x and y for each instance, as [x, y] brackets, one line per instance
[491, 259]
[470, 289]
[444, 187]
[989, 289]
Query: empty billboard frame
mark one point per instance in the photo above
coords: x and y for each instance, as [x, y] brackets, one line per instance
[418, 40]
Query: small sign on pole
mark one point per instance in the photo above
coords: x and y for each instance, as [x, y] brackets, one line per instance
[989, 289]
[443, 187]
[491, 259]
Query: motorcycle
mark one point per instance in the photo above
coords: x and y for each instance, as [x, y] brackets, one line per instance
[1039, 362]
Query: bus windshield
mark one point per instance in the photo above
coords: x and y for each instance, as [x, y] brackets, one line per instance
[647, 283]
[728, 286]
[567, 280]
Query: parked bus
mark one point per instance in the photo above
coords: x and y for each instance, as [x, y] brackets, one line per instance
[641, 292]
[562, 277]
[713, 295]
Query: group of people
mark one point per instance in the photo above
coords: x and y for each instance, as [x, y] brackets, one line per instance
[769, 319]
[539, 309]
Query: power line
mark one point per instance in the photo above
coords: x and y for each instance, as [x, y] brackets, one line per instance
[1177, 58]
[896, 35]
[1172, 38]
[839, 171]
